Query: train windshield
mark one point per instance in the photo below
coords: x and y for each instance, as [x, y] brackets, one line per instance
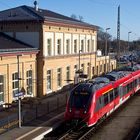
[80, 97]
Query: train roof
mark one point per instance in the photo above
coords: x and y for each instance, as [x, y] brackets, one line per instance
[131, 68]
[92, 85]
[99, 82]
[83, 87]
[115, 75]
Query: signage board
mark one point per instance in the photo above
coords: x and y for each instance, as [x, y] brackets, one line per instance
[19, 94]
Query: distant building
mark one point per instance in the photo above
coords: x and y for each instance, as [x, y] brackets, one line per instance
[99, 53]
[61, 41]
[10, 50]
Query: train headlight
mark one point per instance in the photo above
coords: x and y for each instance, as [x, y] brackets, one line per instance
[70, 110]
[85, 112]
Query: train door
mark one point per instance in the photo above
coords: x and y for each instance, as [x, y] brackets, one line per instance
[120, 90]
[117, 92]
[99, 106]
[121, 93]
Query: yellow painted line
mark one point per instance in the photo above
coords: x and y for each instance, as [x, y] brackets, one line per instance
[107, 91]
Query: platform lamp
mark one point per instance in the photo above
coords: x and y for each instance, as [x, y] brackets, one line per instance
[106, 48]
[128, 38]
[19, 100]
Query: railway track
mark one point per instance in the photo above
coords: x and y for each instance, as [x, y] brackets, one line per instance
[82, 133]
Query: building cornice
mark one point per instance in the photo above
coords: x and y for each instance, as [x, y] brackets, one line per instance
[13, 52]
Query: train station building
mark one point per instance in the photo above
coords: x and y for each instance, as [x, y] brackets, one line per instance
[16, 57]
[65, 46]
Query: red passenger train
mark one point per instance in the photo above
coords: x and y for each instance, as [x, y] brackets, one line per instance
[97, 98]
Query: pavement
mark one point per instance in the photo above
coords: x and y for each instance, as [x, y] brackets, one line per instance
[36, 129]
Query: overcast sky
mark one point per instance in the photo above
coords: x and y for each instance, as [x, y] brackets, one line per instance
[102, 13]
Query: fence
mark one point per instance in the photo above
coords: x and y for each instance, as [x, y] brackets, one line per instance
[40, 109]
[9, 122]
[32, 110]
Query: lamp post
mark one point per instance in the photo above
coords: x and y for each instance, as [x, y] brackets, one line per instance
[106, 48]
[79, 60]
[128, 38]
[19, 101]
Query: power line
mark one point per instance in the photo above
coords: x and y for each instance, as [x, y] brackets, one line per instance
[103, 3]
[128, 29]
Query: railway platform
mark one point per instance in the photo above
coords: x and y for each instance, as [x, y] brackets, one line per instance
[36, 129]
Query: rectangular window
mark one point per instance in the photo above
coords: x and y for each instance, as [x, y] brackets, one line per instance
[15, 83]
[29, 82]
[92, 45]
[116, 92]
[100, 68]
[59, 46]
[1, 88]
[99, 104]
[104, 67]
[68, 74]
[75, 68]
[67, 46]
[59, 77]
[106, 101]
[49, 43]
[75, 46]
[88, 68]
[93, 69]
[82, 67]
[111, 95]
[49, 80]
[88, 45]
[82, 45]
[97, 70]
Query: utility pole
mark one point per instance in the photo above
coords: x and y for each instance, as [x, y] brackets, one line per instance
[19, 101]
[128, 39]
[106, 50]
[118, 34]
[79, 60]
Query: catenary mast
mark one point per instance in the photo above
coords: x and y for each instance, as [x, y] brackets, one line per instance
[118, 33]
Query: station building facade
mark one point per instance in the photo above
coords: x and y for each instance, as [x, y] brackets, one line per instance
[17, 69]
[65, 45]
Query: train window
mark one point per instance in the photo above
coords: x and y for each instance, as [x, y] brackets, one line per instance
[99, 104]
[124, 90]
[136, 83]
[100, 101]
[111, 95]
[127, 88]
[116, 92]
[79, 99]
[131, 86]
[106, 99]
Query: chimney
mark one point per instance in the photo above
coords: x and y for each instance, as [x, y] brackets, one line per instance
[36, 5]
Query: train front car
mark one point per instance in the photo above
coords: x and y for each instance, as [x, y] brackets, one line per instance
[80, 104]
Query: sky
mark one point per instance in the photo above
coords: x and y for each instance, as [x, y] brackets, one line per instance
[102, 13]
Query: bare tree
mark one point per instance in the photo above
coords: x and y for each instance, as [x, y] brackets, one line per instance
[77, 17]
[81, 18]
[73, 16]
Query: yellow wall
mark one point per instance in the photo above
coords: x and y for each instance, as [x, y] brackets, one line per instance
[54, 62]
[8, 66]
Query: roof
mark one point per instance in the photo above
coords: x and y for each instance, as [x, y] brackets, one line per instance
[26, 13]
[9, 44]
